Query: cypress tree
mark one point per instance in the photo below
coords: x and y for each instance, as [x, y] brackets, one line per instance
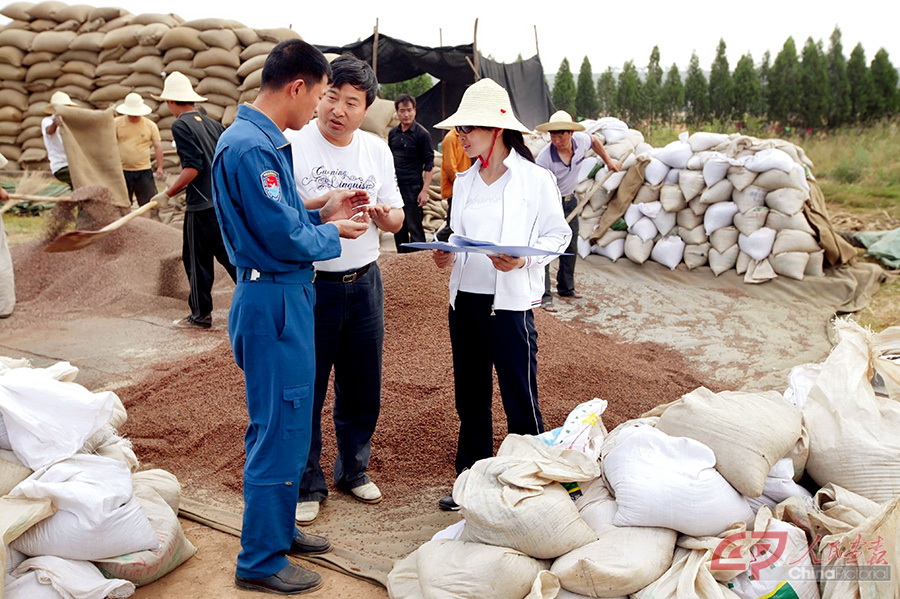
[673, 95]
[606, 93]
[748, 99]
[586, 96]
[861, 88]
[628, 94]
[884, 84]
[652, 88]
[696, 92]
[783, 85]
[721, 87]
[765, 66]
[814, 99]
[564, 88]
[841, 107]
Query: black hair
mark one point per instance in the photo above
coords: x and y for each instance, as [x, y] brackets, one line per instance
[515, 141]
[293, 59]
[404, 98]
[349, 69]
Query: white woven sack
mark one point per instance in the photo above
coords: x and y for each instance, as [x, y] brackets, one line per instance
[671, 198]
[586, 226]
[610, 236]
[694, 236]
[583, 247]
[792, 240]
[622, 561]
[613, 250]
[675, 154]
[649, 209]
[637, 250]
[633, 214]
[747, 432]
[854, 434]
[97, 516]
[780, 221]
[614, 180]
[445, 569]
[740, 177]
[697, 206]
[743, 263]
[718, 192]
[790, 264]
[665, 222]
[698, 160]
[719, 262]
[644, 228]
[514, 500]
[49, 577]
[815, 266]
[715, 169]
[779, 486]
[12, 472]
[770, 159]
[596, 505]
[776, 179]
[758, 245]
[672, 176]
[719, 215]
[612, 129]
[687, 219]
[669, 482]
[749, 197]
[691, 183]
[751, 220]
[655, 172]
[668, 251]
[696, 255]
[702, 140]
[647, 193]
[787, 200]
[599, 199]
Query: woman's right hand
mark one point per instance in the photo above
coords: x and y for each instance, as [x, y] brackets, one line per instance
[441, 258]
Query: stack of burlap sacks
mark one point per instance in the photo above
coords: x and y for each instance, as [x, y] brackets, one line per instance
[78, 516]
[99, 55]
[698, 498]
[726, 201]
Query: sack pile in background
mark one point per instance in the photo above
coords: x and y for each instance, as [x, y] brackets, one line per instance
[697, 498]
[76, 516]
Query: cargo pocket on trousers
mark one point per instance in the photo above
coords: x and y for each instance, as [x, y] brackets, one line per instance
[295, 420]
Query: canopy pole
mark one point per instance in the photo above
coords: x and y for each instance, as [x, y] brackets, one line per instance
[375, 51]
[477, 65]
[537, 49]
[440, 36]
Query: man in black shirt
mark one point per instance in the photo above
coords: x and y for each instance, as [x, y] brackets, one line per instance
[413, 162]
[195, 137]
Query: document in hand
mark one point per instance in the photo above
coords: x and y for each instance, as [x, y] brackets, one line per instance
[459, 243]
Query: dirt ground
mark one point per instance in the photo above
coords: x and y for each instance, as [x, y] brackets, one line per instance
[637, 339]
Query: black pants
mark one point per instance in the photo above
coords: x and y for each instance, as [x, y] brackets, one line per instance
[141, 185]
[65, 176]
[482, 339]
[202, 243]
[412, 229]
[565, 276]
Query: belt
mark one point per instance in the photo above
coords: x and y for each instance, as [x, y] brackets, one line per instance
[291, 277]
[343, 277]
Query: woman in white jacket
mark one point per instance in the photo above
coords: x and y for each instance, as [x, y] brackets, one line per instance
[506, 199]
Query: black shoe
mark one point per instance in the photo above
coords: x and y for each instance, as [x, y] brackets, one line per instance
[307, 544]
[188, 322]
[290, 580]
[447, 504]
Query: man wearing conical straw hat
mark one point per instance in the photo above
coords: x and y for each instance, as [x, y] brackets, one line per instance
[507, 199]
[137, 135]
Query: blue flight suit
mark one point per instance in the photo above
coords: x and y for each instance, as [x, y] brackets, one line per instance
[272, 239]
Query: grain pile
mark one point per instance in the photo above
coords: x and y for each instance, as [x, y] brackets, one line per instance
[190, 417]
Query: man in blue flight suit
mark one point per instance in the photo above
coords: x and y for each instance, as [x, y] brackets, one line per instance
[272, 240]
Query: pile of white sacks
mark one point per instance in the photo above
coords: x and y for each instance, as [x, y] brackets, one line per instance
[78, 518]
[707, 199]
[696, 499]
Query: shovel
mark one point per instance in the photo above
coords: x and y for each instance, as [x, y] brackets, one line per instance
[15, 198]
[75, 240]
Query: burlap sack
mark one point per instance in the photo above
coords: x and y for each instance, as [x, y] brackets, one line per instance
[10, 129]
[113, 68]
[70, 25]
[169, 20]
[216, 56]
[219, 38]
[44, 70]
[76, 80]
[214, 111]
[253, 80]
[34, 142]
[143, 79]
[75, 12]
[178, 53]
[88, 41]
[10, 113]
[33, 155]
[254, 50]
[79, 67]
[11, 152]
[11, 55]
[213, 85]
[83, 131]
[220, 100]
[116, 23]
[181, 37]
[107, 13]
[91, 26]
[17, 10]
[212, 23]
[248, 95]
[124, 36]
[111, 54]
[11, 73]
[149, 64]
[53, 41]
[229, 115]
[152, 33]
[184, 67]
[252, 64]
[223, 72]
[46, 10]
[18, 38]
[16, 99]
[40, 25]
[135, 53]
[247, 36]
[278, 34]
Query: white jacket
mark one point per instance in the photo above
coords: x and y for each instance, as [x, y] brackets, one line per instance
[532, 215]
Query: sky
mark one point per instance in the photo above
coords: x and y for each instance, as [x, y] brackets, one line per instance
[608, 33]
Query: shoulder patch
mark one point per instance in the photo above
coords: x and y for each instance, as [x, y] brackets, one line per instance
[271, 184]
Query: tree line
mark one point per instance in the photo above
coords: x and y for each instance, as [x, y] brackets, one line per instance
[811, 89]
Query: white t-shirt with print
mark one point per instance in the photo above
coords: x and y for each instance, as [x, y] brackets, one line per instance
[482, 219]
[366, 163]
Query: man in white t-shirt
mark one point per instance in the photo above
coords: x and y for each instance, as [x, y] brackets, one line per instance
[56, 153]
[331, 152]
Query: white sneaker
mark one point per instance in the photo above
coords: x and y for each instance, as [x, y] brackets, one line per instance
[306, 512]
[367, 493]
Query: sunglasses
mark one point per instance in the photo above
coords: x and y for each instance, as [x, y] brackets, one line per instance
[465, 129]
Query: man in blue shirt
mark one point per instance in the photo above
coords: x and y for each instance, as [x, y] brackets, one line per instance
[273, 240]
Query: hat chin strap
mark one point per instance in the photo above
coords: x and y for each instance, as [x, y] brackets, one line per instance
[484, 160]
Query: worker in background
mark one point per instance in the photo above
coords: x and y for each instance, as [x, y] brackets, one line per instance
[413, 162]
[453, 161]
[56, 152]
[274, 240]
[7, 280]
[137, 135]
[195, 138]
[563, 157]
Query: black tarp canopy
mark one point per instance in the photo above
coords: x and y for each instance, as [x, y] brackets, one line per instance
[453, 67]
